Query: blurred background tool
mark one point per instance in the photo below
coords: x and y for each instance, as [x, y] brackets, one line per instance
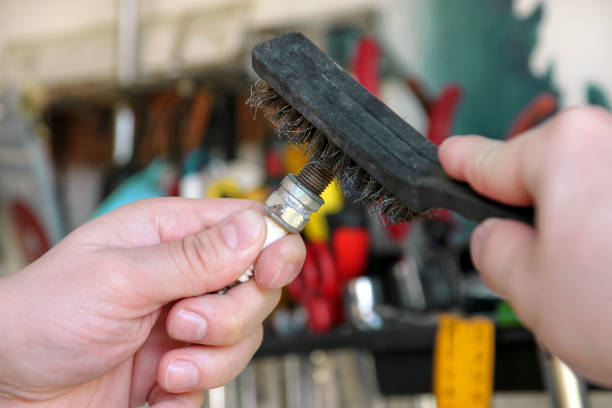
[463, 362]
[106, 102]
[565, 387]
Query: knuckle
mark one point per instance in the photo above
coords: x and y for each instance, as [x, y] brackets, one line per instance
[229, 365]
[196, 252]
[574, 124]
[569, 144]
[276, 296]
[488, 256]
[113, 267]
[235, 326]
[584, 114]
[197, 256]
[227, 368]
[477, 172]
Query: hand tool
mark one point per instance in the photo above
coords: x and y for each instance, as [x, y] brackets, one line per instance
[351, 135]
[355, 137]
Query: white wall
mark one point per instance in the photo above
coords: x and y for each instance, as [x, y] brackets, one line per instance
[67, 41]
[575, 36]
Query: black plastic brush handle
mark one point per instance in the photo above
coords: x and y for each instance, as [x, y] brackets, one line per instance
[365, 129]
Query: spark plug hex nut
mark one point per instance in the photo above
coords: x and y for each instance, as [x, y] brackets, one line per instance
[292, 204]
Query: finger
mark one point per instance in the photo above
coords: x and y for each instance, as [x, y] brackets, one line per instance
[280, 262]
[156, 220]
[496, 169]
[163, 399]
[199, 263]
[502, 253]
[200, 367]
[144, 364]
[218, 320]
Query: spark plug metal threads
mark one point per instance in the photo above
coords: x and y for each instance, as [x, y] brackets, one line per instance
[315, 177]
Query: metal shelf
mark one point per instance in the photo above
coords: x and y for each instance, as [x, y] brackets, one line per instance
[403, 355]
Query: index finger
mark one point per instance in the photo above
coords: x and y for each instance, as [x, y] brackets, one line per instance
[496, 169]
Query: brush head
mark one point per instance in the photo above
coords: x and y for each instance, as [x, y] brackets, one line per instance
[290, 124]
[391, 166]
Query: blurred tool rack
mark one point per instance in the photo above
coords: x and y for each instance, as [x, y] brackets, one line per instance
[403, 355]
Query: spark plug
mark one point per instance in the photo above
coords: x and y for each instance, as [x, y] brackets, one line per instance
[289, 207]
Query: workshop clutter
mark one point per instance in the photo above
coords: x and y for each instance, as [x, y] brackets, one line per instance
[327, 379]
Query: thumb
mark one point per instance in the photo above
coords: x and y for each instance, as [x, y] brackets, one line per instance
[502, 253]
[199, 263]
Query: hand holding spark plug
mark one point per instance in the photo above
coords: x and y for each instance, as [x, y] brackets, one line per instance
[121, 312]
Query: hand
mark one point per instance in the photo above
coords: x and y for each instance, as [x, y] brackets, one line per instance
[558, 274]
[120, 312]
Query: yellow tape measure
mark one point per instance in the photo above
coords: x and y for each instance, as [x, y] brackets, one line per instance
[463, 362]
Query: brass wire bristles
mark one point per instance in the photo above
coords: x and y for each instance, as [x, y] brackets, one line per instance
[325, 157]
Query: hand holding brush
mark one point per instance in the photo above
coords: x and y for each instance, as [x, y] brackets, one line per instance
[555, 273]
[350, 135]
[356, 138]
